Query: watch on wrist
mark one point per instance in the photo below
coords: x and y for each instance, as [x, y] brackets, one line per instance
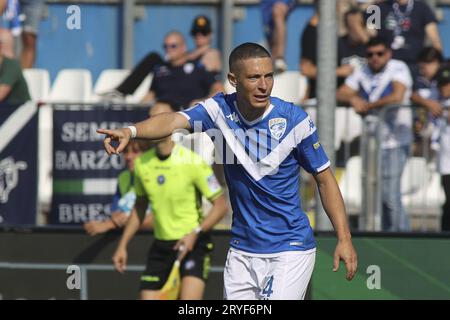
[198, 230]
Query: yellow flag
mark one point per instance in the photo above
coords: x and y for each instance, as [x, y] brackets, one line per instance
[171, 289]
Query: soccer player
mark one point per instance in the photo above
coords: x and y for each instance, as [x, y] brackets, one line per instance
[172, 179]
[272, 250]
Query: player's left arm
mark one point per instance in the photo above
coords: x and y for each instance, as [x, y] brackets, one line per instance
[334, 207]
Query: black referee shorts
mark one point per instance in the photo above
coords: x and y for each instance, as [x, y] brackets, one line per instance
[161, 257]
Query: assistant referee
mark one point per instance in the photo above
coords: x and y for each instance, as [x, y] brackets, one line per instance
[173, 179]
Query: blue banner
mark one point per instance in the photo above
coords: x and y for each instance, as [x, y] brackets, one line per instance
[18, 164]
[84, 176]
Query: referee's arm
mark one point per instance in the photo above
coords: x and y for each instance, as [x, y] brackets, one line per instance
[120, 256]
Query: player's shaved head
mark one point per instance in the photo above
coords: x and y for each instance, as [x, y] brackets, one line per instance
[246, 51]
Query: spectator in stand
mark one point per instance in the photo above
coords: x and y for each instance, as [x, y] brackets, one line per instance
[125, 196]
[275, 14]
[426, 96]
[344, 6]
[13, 87]
[426, 91]
[32, 11]
[441, 139]
[405, 24]
[308, 59]
[204, 54]
[384, 83]
[351, 46]
[21, 18]
[10, 26]
[180, 80]
[7, 43]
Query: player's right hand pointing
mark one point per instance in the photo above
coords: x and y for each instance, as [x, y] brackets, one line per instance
[123, 136]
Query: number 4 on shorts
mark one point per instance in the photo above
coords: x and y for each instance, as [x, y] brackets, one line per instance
[267, 291]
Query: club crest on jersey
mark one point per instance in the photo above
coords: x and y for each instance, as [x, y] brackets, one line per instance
[277, 127]
[188, 68]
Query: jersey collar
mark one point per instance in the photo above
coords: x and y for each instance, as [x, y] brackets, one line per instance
[251, 123]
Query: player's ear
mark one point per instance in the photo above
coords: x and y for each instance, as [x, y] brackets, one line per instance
[232, 79]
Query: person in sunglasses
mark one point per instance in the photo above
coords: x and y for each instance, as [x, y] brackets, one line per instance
[178, 79]
[181, 77]
[203, 53]
[383, 83]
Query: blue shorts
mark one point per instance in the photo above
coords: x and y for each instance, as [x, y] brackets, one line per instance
[266, 10]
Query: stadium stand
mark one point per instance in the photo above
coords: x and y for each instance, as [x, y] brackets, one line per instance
[72, 85]
[228, 87]
[342, 128]
[141, 91]
[107, 81]
[290, 86]
[422, 193]
[38, 81]
[351, 190]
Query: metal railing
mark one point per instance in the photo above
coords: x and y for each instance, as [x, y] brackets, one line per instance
[84, 269]
[365, 205]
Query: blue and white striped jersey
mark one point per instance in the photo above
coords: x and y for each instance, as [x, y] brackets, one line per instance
[397, 122]
[262, 162]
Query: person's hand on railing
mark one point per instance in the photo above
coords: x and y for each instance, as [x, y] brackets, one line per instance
[435, 108]
[360, 105]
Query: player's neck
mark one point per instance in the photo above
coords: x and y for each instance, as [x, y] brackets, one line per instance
[249, 112]
[164, 148]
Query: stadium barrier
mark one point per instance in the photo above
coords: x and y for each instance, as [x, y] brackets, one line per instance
[42, 263]
[18, 163]
[359, 166]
